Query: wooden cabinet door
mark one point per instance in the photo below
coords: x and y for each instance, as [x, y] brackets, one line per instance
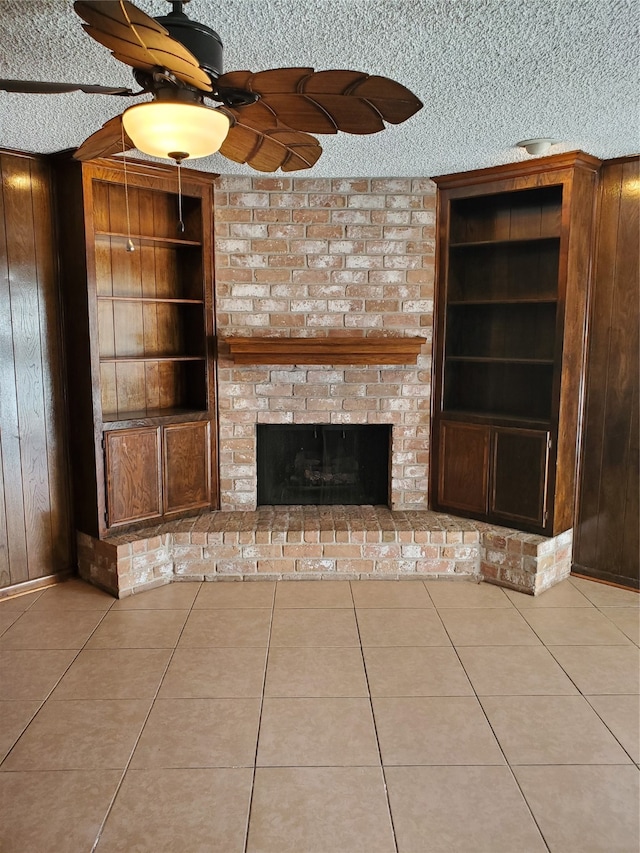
[186, 466]
[520, 464]
[132, 460]
[463, 466]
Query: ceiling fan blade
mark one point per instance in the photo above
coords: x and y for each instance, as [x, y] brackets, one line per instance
[325, 113]
[269, 148]
[146, 60]
[138, 40]
[105, 142]
[394, 102]
[329, 101]
[259, 117]
[277, 80]
[34, 87]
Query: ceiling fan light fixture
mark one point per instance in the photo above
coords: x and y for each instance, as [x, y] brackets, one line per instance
[175, 130]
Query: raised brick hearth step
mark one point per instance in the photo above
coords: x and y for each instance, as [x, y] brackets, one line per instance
[323, 542]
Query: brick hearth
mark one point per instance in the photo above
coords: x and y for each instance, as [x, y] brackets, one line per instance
[303, 542]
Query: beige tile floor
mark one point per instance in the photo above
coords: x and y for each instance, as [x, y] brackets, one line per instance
[320, 717]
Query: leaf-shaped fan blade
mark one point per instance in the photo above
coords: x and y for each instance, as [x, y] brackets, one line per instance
[328, 101]
[138, 40]
[105, 142]
[394, 102]
[326, 113]
[36, 88]
[260, 140]
[278, 80]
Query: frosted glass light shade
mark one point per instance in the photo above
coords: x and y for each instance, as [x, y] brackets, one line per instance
[176, 131]
[536, 146]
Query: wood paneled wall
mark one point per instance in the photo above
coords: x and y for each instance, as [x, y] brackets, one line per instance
[35, 524]
[606, 531]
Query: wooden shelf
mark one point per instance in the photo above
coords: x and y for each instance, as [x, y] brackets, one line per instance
[493, 360]
[327, 350]
[147, 238]
[499, 418]
[152, 416]
[162, 299]
[471, 244]
[116, 359]
[544, 300]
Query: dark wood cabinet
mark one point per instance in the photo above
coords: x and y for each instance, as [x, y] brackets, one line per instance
[496, 471]
[519, 476]
[132, 461]
[513, 262]
[463, 466]
[186, 466]
[138, 295]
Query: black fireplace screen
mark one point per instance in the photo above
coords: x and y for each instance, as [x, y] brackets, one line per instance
[323, 464]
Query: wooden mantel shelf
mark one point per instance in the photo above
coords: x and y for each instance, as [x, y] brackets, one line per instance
[327, 350]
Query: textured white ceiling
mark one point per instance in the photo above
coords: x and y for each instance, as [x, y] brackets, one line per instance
[490, 73]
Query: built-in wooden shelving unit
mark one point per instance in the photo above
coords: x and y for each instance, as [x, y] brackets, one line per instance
[512, 279]
[138, 295]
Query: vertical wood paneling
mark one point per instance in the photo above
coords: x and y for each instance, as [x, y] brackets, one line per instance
[35, 528]
[80, 322]
[5, 575]
[27, 349]
[623, 379]
[52, 369]
[630, 526]
[10, 429]
[607, 513]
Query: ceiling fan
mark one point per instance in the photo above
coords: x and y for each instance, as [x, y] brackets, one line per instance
[264, 119]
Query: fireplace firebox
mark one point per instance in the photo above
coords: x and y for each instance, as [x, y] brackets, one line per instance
[323, 464]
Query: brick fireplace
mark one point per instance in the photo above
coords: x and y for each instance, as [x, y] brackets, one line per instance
[300, 257]
[330, 259]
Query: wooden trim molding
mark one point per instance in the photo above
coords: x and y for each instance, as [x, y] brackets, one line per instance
[521, 168]
[327, 350]
[22, 588]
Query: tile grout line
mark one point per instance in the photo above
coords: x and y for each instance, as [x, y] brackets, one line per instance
[507, 764]
[44, 701]
[599, 645]
[621, 607]
[548, 649]
[375, 727]
[255, 755]
[111, 804]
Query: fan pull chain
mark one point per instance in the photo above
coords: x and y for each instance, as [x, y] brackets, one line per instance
[180, 221]
[130, 246]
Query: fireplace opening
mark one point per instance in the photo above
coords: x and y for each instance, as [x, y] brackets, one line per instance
[323, 464]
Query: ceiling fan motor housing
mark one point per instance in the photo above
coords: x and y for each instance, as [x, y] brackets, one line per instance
[203, 42]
